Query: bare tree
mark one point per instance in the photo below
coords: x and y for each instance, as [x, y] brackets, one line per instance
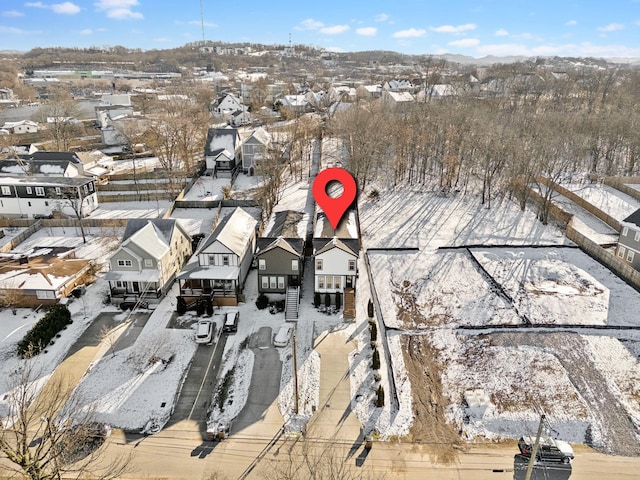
[59, 114]
[74, 197]
[43, 436]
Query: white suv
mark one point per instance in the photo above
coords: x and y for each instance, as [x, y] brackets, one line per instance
[204, 331]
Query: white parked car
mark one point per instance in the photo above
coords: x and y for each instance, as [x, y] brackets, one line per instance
[204, 331]
[281, 338]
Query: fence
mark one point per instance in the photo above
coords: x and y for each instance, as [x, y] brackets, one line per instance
[620, 183]
[22, 236]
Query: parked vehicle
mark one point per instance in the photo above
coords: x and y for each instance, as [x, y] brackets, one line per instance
[204, 331]
[281, 338]
[549, 449]
[231, 321]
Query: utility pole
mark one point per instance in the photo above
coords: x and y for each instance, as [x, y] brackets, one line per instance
[295, 375]
[534, 450]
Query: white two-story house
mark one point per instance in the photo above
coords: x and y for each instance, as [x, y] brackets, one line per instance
[219, 269]
[336, 264]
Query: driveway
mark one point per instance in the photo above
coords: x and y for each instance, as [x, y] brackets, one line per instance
[260, 416]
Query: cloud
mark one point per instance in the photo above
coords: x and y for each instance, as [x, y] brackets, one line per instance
[86, 31]
[612, 27]
[584, 49]
[18, 31]
[410, 33]
[501, 33]
[66, 8]
[571, 23]
[381, 17]
[454, 29]
[309, 24]
[336, 29]
[119, 9]
[12, 13]
[367, 31]
[199, 23]
[465, 43]
[35, 5]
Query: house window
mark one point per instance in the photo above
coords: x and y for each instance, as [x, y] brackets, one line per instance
[625, 231]
[212, 259]
[329, 282]
[29, 190]
[121, 284]
[148, 262]
[40, 191]
[321, 283]
[318, 264]
[46, 204]
[294, 265]
[637, 237]
[85, 189]
[6, 190]
[337, 281]
[352, 265]
[45, 294]
[265, 282]
[262, 264]
[58, 191]
[281, 283]
[621, 251]
[630, 255]
[29, 203]
[225, 260]
[273, 282]
[91, 187]
[124, 263]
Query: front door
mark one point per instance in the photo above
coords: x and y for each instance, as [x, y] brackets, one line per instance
[349, 281]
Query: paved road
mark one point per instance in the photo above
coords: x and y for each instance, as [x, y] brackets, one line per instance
[198, 386]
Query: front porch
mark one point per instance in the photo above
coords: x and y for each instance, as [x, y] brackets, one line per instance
[218, 292]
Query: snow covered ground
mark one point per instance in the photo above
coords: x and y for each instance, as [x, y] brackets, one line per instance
[611, 201]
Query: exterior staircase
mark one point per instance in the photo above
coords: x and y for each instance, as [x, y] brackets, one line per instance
[349, 303]
[292, 304]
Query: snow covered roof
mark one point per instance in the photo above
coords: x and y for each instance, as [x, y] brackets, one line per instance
[294, 246]
[149, 237]
[233, 231]
[220, 139]
[285, 224]
[321, 246]
[634, 218]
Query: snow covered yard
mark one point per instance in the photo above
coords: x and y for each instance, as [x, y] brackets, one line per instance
[427, 293]
[611, 201]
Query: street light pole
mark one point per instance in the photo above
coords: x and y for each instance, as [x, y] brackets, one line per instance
[295, 375]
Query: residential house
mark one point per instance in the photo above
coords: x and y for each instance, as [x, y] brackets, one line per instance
[43, 277]
[219, 269]
[629, 241]
[240, 118]
[105, 114]
[222, 152]
[151, 254]
[342, 93]
[335, 253]
[227, 104]
[368, 92]
[55, 164]
[254, 147]
[398, 85]
[23, 126]
[280, 253]
[295, 103]
[33, 196]
[397, 99]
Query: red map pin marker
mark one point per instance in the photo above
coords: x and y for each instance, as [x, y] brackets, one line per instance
[334, 207]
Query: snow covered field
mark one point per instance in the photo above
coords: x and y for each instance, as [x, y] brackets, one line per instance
[611, 201]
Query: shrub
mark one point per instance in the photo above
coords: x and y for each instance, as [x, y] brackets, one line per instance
[380, 397]
[377, 377]
[44, 331]
[316, 299]
[373, 331]
[370, 309]
[209, 307]
[327, 299]
[375, 364]
[200, 307]
[181, 306]
[262, 302]
[374, 194]
[338, 300]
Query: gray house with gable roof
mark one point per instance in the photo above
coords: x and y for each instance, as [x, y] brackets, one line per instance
[628, 247]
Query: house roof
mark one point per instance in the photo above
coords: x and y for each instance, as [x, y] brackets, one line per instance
[285, 224]
[220, 139]
[152, 235]
[295, 246]
[634, 218]
[347, 227]
[322, 245]
[233, 231]
[42, 180]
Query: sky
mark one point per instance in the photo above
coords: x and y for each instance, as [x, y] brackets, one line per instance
[469, 27]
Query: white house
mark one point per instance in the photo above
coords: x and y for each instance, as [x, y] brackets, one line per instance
[228, 104]
[219, 269]
[222, 151]
[23, 126]
[336, 263]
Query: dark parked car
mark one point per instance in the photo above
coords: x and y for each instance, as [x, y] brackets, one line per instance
[549, 449]
[130, 304]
